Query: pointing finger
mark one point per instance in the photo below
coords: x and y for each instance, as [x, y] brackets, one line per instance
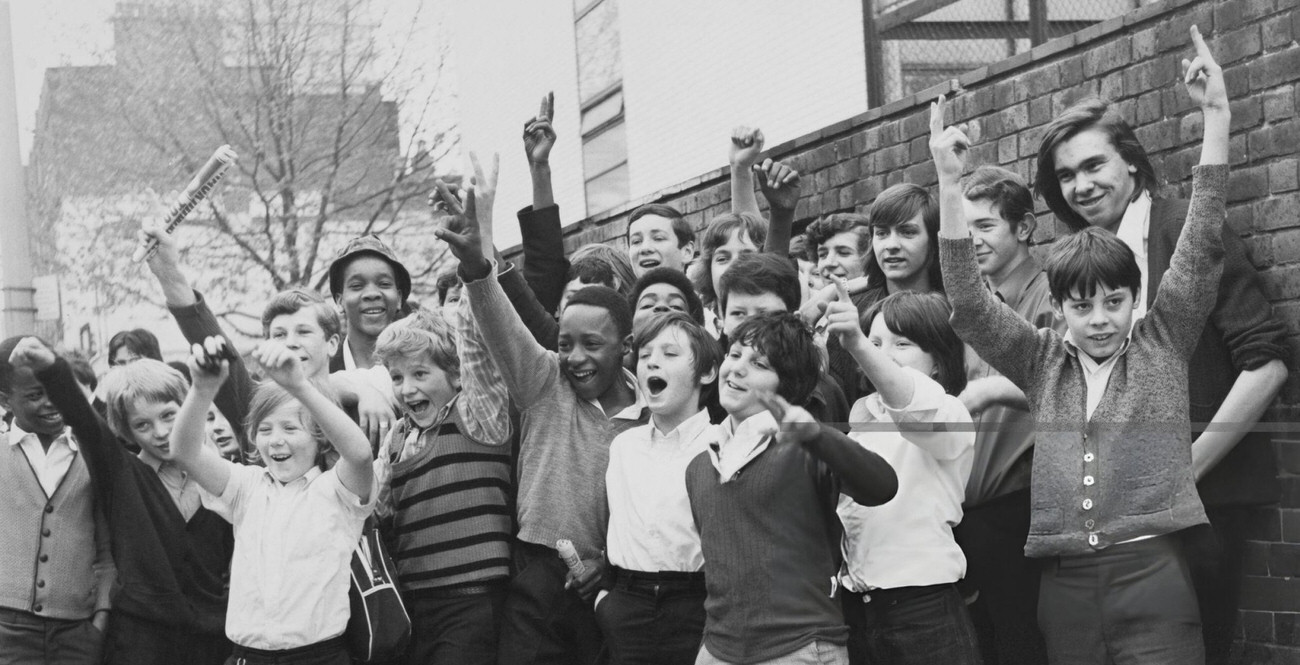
[842, 289]
[936, 116]
[1198, 41]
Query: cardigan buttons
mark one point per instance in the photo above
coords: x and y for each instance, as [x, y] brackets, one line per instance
[1088, 481]
[1088, 457]
[1092, 539]
[1087, 504]
[1088, 524]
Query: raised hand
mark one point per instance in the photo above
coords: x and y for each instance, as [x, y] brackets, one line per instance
[746, 144]
[779, 182]
[539, 136]
[485, 193]
[948, 146]
[1204, 78]
[281, 365]
[166, 255]
[32, 354]
[842, 318]
[209, 364]
[797, 425]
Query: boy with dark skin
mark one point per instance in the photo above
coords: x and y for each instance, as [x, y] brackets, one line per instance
[572, 404]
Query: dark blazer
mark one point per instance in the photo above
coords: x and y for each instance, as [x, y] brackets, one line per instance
[1241, 334]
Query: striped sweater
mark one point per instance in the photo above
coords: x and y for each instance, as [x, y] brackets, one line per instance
[451, 516]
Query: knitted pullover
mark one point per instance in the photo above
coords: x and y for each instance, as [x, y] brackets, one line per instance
[564, 439]
[54, 557]
[771, 542]
[452, 519]
[1126, 471]
[170, 571]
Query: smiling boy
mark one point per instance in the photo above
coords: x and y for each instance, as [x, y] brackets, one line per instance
[1112, 482]
[572, 403]
[449, 489]
[56, 572]
[659, 236]
[371, 286]
[169, 613]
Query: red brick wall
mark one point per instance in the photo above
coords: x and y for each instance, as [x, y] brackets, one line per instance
[1133, 60]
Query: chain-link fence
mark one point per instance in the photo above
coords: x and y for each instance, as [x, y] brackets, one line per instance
[924, 42]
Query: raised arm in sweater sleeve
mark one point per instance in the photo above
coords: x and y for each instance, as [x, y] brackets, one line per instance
[545, 265]
[1251, 329]
[197, 323]
[105, 570]
[863, 475]
[484, 403]
[1004, 340]
[1190, 287]
[529, 371]
[543, 327]
[105, 457]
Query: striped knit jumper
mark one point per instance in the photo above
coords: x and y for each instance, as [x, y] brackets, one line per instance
[451, 520]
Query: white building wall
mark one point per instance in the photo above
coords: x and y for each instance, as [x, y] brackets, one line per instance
[506, 54]
[694, 70]
[691, 71]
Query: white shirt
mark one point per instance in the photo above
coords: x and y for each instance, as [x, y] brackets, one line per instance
[1096, 376]
[731, 447]
[50, 465]
[1134, 229]
[651, 527]
[291, 569]
[187, 495]
[908, 541]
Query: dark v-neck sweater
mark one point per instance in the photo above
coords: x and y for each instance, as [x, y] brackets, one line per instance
[169, 571]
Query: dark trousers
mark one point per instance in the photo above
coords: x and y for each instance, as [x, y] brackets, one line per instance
[1004, 580]
[132, 641]
[458, 630]
[653, 618]
[1129, 604]
[1217, 554]
[910, 625]
[543, 622]
[330, 652]
[27, 639]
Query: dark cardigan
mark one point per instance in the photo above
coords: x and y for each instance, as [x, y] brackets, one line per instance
[169, 571]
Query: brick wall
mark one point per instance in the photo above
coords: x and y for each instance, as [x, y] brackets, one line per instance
[1133, 60]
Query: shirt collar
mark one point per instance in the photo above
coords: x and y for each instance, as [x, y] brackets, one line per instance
[1013, 288]
[17, 435]
[348, 361]
[1135, 225]
[306, 478]
[688, 430]
[633, 410]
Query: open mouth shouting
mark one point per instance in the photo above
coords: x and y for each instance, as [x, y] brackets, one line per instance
[420, 408]
[655, 385]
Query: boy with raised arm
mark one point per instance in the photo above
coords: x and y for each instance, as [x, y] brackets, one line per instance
[572, 404]
[1112, 476]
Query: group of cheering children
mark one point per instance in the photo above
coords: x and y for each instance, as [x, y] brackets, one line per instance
[765, 462]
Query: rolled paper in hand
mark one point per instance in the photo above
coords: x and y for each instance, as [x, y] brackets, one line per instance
[570, 556]
[194, 193]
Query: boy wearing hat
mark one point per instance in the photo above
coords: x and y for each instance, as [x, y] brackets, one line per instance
[371, 286]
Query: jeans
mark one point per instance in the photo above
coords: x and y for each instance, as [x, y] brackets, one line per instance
[653, 622]
[457, 630]
[329, 652]
[915, 625]
[813, 653]
[1130, 604]
[132, 641]
[27, 639]
[543, 622]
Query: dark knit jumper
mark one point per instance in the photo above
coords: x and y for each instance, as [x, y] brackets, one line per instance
[169, 571]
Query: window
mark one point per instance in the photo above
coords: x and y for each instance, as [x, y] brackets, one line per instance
[600, 87]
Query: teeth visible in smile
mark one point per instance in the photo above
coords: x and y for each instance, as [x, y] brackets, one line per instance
[282, 457]
[584, 374]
